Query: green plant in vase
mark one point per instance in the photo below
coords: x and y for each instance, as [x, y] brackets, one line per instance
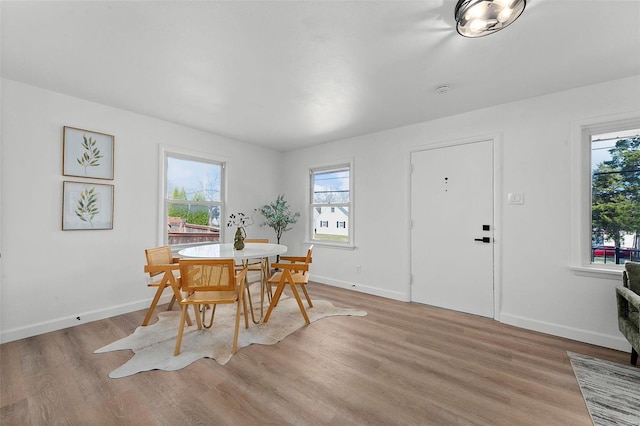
[240, 221]
[278, 216]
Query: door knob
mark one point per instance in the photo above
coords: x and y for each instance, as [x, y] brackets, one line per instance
[483, 239]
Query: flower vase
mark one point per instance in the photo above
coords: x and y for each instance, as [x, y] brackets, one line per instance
[238, 239]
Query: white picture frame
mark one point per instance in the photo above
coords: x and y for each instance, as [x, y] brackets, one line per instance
[87, 206]
[87, 154]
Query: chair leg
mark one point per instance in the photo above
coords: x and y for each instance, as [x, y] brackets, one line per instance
[180, 331]
[634, 356]
[246, 318]
[253, 317]
[177, 296]
[300, 305]
[274, 301]
[171, 302]
[304, 289]
[235, 334]
[156, 298]
[196, 312]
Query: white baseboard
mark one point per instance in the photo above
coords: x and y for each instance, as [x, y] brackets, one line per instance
[85, 317]
[396, 295]
[599, 339]
[605, 340]
[81, 318]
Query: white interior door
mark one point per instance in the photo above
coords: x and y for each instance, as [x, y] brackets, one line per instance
[451, 209]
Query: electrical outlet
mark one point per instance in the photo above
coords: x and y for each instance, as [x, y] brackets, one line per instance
[358, 269]
[515, 198]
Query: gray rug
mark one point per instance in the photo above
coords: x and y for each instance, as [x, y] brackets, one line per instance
[610, 390]
[154, 344]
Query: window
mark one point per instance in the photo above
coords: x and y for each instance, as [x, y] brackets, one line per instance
[192, 199]
[605, 194]
[615, 196]
[331, 204]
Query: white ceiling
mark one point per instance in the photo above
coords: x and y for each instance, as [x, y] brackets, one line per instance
[288, 74]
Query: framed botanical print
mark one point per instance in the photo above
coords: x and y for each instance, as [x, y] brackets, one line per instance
[86, 205]
[87, 154]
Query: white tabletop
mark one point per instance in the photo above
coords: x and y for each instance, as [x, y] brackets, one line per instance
[226, 251]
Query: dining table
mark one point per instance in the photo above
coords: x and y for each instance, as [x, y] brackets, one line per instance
[261, 251]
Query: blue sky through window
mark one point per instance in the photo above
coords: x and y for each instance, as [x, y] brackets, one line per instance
[195, 177]
[331, 186]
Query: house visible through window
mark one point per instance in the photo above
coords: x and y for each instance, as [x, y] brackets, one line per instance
[615, 196]
[331, 204]
[193, 199]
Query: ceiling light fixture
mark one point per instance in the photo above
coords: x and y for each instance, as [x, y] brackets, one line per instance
[477, 18]
[442, 89]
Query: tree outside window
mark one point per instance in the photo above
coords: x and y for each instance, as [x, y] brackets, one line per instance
[193, 203]
[615, 196]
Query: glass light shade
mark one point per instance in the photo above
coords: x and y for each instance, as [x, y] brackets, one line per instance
[477, 18]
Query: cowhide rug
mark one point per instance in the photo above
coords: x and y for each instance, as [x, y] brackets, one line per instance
[154, 344]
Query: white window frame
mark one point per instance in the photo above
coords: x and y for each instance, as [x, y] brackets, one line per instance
[581, 133]
[350, 243]
[164, 154]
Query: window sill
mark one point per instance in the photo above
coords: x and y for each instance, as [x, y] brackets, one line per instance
[614, 272]
[330, 245]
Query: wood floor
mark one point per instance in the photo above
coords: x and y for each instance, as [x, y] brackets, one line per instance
[402, 364]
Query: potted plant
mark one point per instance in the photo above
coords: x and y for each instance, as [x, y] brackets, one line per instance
[277, 216]
[240, 221]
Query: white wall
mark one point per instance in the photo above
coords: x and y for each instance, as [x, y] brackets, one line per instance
[50, 277]
[537, 288]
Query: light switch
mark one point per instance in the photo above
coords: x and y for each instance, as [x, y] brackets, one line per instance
[515, 198]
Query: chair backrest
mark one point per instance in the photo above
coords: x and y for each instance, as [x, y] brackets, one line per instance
[309, 258]
[207, 275]
[631, 276]
[158, 256]
[309, 252]
[257, 240]
[302, 261]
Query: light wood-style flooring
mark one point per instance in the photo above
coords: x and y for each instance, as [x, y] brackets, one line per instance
[402, 364]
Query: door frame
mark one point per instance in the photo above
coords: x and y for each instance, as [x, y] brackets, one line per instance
[497, 140]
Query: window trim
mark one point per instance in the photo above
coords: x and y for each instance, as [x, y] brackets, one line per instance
[581, 133]
[171, 151]
[350, 243]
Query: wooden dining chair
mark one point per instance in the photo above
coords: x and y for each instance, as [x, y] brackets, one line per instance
[261, 265]
[163, 270]
[255, 264]
[295, 273]
[208, 283]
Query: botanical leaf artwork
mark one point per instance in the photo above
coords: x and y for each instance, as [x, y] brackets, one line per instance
[91, 155]
[87, 206]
